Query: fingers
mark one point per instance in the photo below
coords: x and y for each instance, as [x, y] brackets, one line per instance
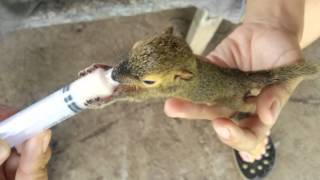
[272, 99]
[250, 135]
[4, 151]
[35, 155]
[184, 109]
[247, 137]
[233, 135]
[256, 153]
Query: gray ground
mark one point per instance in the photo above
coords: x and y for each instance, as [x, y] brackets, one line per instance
[137, 141]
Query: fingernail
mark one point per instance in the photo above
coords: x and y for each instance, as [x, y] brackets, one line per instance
[171, 113]
[45, 142]
[223, 132]
[246, 156]
[275, 110]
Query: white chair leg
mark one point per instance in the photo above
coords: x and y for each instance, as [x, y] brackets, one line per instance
[202, 30]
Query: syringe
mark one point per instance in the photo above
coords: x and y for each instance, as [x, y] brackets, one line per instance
[59, 106]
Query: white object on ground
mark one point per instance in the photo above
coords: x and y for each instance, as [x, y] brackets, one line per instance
[59, 106]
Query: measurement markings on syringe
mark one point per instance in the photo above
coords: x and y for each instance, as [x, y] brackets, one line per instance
[69, 100]
[66, 88]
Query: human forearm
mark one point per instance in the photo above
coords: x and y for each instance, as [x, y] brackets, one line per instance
[311, 23]
[284, 14]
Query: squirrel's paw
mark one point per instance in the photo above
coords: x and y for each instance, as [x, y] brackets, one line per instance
[91, 68]
[98, 102]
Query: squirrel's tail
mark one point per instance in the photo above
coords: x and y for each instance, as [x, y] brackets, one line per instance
[303, 69]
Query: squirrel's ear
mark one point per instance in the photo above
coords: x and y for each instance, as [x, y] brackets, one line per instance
[168, 31]
[183, 74]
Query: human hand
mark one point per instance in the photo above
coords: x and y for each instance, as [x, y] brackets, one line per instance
[250, 47]
[29, 160]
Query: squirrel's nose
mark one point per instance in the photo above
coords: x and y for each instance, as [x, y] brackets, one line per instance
[120, 71]
[114, 75]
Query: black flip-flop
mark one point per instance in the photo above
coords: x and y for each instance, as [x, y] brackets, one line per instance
[258, 169]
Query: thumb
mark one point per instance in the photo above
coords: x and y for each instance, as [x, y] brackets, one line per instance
[272, 99]
[4, 151]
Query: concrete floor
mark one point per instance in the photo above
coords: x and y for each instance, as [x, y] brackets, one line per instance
[137, 141]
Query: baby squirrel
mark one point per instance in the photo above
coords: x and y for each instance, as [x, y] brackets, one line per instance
[165, 66]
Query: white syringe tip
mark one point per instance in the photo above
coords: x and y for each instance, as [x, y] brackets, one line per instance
[96, 84]
[64, 103]
[109, 77]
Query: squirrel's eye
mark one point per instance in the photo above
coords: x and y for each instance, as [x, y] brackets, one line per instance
[148, 82]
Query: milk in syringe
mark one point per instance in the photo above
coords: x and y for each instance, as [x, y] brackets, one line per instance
[57, 107]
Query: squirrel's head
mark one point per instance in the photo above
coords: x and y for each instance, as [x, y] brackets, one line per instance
[156, 66]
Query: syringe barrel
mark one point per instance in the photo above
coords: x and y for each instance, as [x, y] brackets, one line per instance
[59, 106]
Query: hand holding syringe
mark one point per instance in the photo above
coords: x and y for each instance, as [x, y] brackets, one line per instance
[59, 106]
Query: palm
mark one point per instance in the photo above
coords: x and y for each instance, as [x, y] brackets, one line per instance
[255, 47]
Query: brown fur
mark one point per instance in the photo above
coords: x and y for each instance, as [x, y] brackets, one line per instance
[168, 62]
